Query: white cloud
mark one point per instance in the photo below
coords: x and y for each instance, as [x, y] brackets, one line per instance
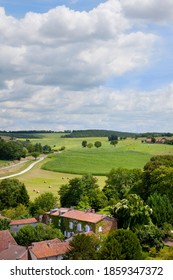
[55, 66]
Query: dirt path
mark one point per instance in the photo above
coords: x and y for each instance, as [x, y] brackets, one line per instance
[23, 171]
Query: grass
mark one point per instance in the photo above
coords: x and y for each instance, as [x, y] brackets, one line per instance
[59, 168]
[4, 163]
[128, 153]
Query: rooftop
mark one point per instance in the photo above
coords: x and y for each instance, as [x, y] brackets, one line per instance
[23, 221]
[49, 248]
[6, 239]
[14, 252]
[83, 216]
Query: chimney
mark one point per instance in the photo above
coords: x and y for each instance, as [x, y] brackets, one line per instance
[9, 244]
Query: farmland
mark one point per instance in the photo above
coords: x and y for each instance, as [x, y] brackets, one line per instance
[75, 160]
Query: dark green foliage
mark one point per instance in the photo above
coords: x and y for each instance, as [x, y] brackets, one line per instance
[121, 244]
[150, 236]
[113, 137]
[157, 177]
[4, 224]
[84, 144]
[132, 212]
[120, 182]
[28, 234]
[43, 203]
[11, 150]
[114, 142]
[162, 209]
[12, 193]
[97, 133]
[83, 247]
[78, 188]
[35, 155]
[97, 144]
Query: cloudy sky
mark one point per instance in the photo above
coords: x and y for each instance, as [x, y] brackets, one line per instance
[84, 64]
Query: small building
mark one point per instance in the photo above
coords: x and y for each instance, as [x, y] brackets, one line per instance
[9, 249]
[6, 239]
[53, 249]
[15, 225]
[74, 221]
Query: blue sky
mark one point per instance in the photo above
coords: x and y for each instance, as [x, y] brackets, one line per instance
[86, 64]
[19, 8]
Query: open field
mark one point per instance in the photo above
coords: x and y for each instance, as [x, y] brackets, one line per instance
[75, 160]
[128, 153]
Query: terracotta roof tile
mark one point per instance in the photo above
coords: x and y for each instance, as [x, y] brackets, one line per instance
[23, 221]
[83, 216]
[5, 239]
[14, 252]
[49, 248]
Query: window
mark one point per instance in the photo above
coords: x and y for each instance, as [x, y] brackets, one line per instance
[87, 228]
[71, 225]
[79, 227]
[100, 229]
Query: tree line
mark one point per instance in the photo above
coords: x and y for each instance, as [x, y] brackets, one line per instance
[15, 150]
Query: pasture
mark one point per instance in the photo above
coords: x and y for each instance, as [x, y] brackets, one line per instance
[128, 153]
[58, 168]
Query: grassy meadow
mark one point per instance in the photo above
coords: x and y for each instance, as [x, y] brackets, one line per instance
[60, 167]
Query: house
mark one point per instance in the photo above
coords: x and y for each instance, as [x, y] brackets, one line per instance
[5, 239]
[53, 249]
[15, 225]
[73, 221]
[9, 249]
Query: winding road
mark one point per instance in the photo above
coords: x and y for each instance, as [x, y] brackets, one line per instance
[23, 171]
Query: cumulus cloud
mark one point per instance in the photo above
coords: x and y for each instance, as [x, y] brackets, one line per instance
[156, 11]
[55, 66]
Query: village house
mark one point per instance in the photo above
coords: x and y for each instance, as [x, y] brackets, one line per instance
[71, 221]
[9, 249]
[15, 225]
[53, 249]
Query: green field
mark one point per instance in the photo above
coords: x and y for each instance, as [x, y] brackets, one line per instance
[128, 153]
[59, 168]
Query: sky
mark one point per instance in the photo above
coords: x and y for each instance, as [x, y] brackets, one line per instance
[86, 64]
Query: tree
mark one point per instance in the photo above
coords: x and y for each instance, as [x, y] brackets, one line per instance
[120, 181]
[114, 142]
[83, 247]
[132, 212]
[162, 209]
[97, 144]
[11, 150]
[13, 193]
[35, 155]
[84, 143]
[4, 224]
[43, 203]
[121, 244]
[112, 137]
[89, 145]
[16, 213]
[150, 236]
[80, 189]
[47, 232]
[28, 234]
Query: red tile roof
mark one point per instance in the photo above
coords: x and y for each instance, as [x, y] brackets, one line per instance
[23, 221]
[83, 216]
[6, 239]
[14, 252]
[2, 217]
[49, 248]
